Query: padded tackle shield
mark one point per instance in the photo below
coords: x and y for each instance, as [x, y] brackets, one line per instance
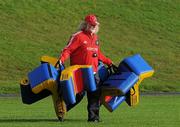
[42, 76]
[137, 65]
[28, 97]
[47, 59]
[43, 82]
[117, 86]
[76, 79]
[103, 72]
[46, 77]
[120, 84]
[133, 96]
[140, 67]
[113, 102]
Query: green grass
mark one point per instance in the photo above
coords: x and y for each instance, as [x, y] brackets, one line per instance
[153, 111]
[32, 28]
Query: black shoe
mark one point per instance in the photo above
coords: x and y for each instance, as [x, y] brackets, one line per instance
[61, 119]
[94, 120]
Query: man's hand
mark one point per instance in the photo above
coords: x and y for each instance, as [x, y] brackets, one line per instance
[110, 65]
[60, 62]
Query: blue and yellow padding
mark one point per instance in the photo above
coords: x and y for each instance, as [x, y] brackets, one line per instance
[117, 86]
[39, 84]
[140, 67]
[28, 97]
[48, 59]
[120, 84]
[42, 82]
[125, 86]
[88, 78]
[76, 79]
[137, 65]
[102, 71]
[41, 77]
[114, 102]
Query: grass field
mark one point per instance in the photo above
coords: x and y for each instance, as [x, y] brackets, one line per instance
[32, 28]
[153, 111]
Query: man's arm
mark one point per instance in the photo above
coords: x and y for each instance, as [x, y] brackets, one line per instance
[73, 44]
[104, 59]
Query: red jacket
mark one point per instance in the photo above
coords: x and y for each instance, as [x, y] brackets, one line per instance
[83, 49]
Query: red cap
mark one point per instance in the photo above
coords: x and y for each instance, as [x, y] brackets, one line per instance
[91, 19]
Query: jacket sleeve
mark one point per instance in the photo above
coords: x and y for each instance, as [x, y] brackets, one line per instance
[103, 58]
[73, 44]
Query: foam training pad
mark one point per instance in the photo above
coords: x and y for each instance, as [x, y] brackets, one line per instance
[132, 97]
[137, 65]
[76, 79]
[88, 79]
[102, 71]
[28, 97]
[140, 67]
[119, 84]
[113, 102]
[41, 76]
[48, 59]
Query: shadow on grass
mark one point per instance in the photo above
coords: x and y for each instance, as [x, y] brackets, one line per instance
[39, 120]
[28, 120]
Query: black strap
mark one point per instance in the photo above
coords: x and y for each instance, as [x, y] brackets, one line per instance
[57, 63]
[49, 69]
[60, 65]
[113, 69]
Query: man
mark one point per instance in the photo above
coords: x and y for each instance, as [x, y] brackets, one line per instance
[83, 49]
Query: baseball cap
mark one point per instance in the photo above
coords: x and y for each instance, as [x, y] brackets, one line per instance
[91, 19]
